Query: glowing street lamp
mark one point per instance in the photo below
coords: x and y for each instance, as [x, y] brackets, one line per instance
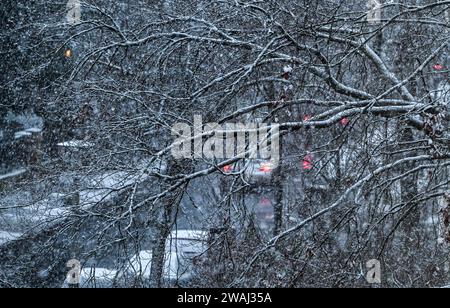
[68, 53]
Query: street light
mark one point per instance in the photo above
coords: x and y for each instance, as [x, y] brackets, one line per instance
[68, 53]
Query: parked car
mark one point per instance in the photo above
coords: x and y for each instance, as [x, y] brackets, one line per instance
[256, 171]
[183, 249]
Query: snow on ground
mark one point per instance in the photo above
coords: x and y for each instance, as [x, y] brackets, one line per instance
[46, 214]
[95, 277]
[28, 214]
[6, 236]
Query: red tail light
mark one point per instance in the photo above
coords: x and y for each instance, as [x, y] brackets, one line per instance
[345, 121]
[308, 163]
[228, 169]
[307, 118]
[438, 67]
[266, 167]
